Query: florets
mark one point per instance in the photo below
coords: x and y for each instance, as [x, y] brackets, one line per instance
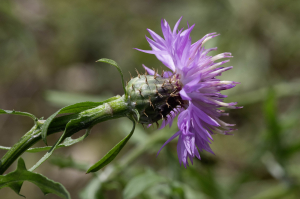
[196, 72]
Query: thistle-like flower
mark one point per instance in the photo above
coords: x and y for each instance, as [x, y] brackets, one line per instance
[190, 91]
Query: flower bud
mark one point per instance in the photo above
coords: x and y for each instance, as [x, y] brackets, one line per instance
[154, 97]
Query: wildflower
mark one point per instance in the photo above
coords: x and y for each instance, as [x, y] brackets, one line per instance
[193, 74]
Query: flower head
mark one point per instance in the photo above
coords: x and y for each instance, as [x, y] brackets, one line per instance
[199, 90]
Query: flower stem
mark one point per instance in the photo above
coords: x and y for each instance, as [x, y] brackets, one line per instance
[83, 120]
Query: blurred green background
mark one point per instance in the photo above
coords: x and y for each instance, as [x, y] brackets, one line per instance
[48, 51]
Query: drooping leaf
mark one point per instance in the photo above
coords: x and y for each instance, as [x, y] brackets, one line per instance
[139, 184]
[15, 179]
[112, 62]
[112, 153]
[74, 108]
[13, 112]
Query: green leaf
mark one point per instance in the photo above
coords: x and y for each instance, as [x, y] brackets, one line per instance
[74, 108]
[139, 184]
[15, 179]
[49, 153]
[13, 112]
[68, 142]
[112, 153]
[112, 62]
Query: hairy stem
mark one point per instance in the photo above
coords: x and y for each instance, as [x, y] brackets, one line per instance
[83, 120]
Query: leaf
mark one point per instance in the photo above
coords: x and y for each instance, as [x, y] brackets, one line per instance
[49, 153]
[13, 112]
[112, 62]
[139, 184]
[112, 153]
[74, 108]
[68, 142]
[15, 179]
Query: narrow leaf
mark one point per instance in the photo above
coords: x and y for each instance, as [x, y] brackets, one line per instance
[112, 153]
[68, 142]
[13, 112]
[49, 153]
[15, 179]
[112, 62]
[74, 108]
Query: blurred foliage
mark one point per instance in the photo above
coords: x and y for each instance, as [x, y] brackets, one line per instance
[48, 51]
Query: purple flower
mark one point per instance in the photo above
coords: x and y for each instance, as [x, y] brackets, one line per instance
[196, 72]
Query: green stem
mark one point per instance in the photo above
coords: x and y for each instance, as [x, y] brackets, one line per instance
[18, 148]
[83, 120]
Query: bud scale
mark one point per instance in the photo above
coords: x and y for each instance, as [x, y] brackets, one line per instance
[153, 96]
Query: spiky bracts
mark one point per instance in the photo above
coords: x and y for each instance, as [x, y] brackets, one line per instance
[154, 96]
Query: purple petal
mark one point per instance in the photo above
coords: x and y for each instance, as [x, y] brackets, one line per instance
[149, 71]
[184, 95]
[169, 140]
[176, 26]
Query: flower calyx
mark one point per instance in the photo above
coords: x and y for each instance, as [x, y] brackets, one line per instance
[154, 97]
